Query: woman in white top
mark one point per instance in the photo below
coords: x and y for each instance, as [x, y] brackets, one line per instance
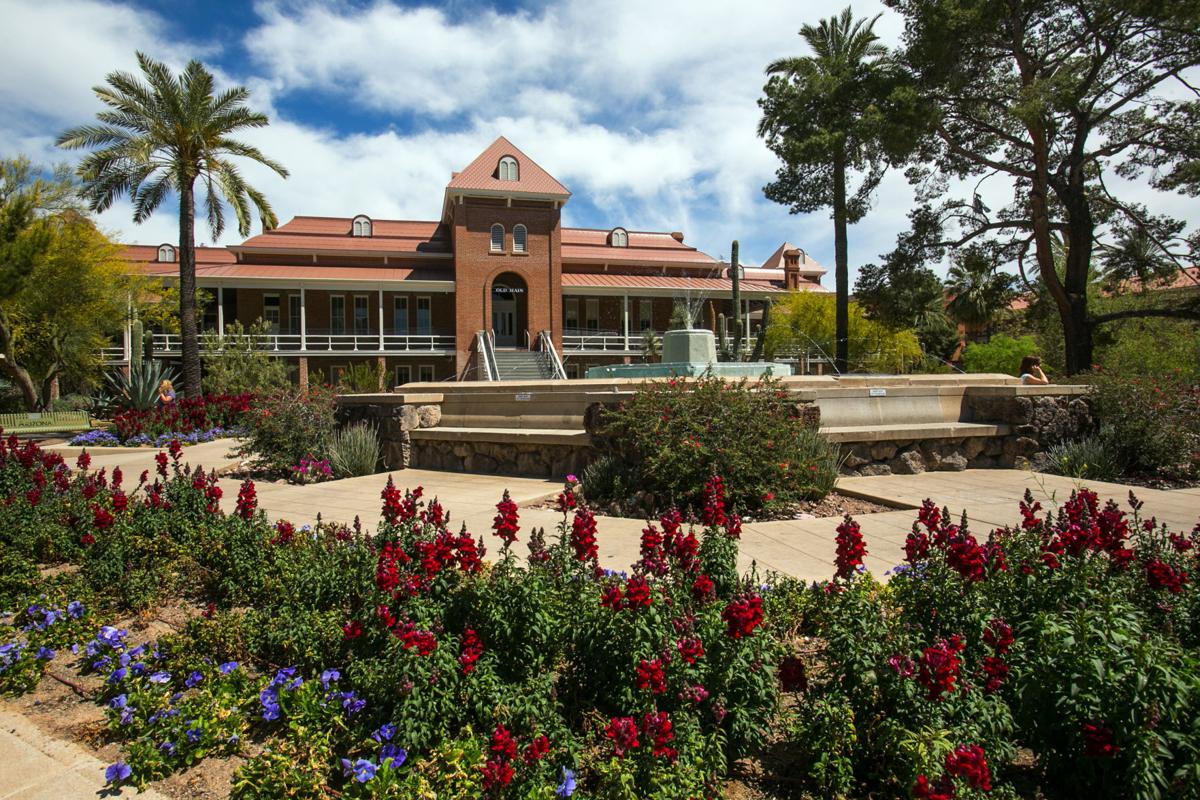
[1031, 371]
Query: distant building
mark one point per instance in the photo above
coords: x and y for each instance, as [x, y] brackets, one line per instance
[497, 272]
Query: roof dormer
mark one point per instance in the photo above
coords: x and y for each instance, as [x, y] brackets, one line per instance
[618, 237]
[507, 169]
[166, 252]
[361, 226]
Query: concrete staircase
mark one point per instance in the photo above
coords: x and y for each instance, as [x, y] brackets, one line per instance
[523, 365]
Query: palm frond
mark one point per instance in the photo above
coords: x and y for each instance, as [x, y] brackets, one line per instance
[234, 147]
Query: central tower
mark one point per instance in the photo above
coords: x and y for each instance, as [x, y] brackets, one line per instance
[504, 211]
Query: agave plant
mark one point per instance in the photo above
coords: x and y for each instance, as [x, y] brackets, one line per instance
[139, 389]
[354, 451]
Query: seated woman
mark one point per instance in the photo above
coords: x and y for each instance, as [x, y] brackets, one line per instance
[166, 393]
[1031, 371]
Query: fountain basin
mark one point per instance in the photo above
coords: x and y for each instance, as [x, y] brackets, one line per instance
[689, 354]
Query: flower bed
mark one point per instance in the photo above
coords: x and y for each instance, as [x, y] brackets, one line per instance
[105, 438]
[187, 417]
[404, 665]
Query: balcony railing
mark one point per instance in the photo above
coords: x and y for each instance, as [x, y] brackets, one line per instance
[578, 340]
[315, 342]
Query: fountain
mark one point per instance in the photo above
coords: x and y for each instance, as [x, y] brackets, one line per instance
[687, 354]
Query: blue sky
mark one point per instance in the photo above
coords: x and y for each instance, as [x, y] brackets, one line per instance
[646, 111]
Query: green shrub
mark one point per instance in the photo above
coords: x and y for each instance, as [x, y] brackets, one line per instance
[1002, 354]
[354, 451]
[1092, 457]
[1152, 425]
[288, 425]
[361, 378]
[673, 435]
[240, 362]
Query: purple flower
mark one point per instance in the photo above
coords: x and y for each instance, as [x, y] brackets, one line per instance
[193, 679]
[193, 735]
[126, 716]
[329, 676]
[228, 667]
[167, 747]
[118, 702]
[45, 654]
[567, 787]
[118, 675]
[362, 769]
[160, 677]
[385, 732]
[392, 755]
[117, 773]
[75, 609]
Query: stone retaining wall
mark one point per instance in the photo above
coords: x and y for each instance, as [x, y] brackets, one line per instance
[501, 458]
[394, 422]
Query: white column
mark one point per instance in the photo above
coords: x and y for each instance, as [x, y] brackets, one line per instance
[303, 322]
[381, 320]
[625, 318]
[746, 323]
[220, 311]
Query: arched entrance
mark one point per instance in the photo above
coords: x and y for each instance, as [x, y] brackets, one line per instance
[510, 304]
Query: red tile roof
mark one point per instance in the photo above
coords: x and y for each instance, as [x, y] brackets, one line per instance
[308, 272]
[148, 253]
[581, 280]
[590, 245]
[334, 233]
[481, 174]
[808, 266]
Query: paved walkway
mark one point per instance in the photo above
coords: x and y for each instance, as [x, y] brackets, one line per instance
[133, 460]
[37, 766]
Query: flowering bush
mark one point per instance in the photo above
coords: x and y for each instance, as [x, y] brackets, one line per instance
[402, 665]
[1151, 425]
[287, 426]
[672, 436]
[184, 416]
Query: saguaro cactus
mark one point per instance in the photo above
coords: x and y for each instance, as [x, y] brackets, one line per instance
[135, 344]
[737, 301]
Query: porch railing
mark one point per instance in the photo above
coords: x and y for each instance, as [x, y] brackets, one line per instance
[578, 340]
[320, 341]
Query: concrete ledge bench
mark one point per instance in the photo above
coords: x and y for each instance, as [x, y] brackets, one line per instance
[551, 436]
[914, 432]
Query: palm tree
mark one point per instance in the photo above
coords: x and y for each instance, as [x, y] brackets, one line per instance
[161, 136]
[978, 291]
[822, 116]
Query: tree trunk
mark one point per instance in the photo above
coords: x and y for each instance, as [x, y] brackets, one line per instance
[14, 371]
[841, 267]
[187, 291]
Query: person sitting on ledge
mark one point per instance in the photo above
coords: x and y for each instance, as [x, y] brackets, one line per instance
[1031, 371]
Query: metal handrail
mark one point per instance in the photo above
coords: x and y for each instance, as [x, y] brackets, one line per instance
[485, 350]
[547, 345]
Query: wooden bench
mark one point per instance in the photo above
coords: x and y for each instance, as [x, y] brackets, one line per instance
[45, 422]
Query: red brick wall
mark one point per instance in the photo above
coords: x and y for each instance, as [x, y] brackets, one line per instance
[476, 267]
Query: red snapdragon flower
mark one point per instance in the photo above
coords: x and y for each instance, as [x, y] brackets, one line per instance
[623, 733]
[101, 518]
[610, 597]
[83, 461]
[472, 649]
[996, 671]
[161, 461]
[968, 763]
[175, 449]
[503, 746]
[703, 589]
[690, 650]
[120, 501]
[583, 535]
[650, 676]
[998, 635]
[637, 593]
[742, 616]
[943, 789]
[916, 545]
[1098, 740]
[352, 630]
[496, 774]
[391, 502]
[284, 532]
[792, 675]
[1161, 575]
[247, 500]
[505, 523]
[33, 496]
[850, 547]
[657, 727]
[536, 750]
[713, 512]
[939, 667]
[966, 557]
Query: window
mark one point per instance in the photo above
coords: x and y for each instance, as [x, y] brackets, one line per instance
[619, 238]
[572, 371]
[271, 311]
[362, 226]
[337, 313]
[400, 316]
[423, 318]
[645, 315]
[403, 374]
[293, 313]
[166, 252]
[592, 313]
[425, 373]
[362, 313]
[571, 314]
[507, 171]
[519, 239]
[497, 238]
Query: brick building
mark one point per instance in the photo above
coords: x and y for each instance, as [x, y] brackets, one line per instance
[495, 288]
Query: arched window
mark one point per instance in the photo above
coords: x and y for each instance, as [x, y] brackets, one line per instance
[507, 171]
[362, 225]
[497, 238]
[619, 238]
[166, 252]
[519, 239]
